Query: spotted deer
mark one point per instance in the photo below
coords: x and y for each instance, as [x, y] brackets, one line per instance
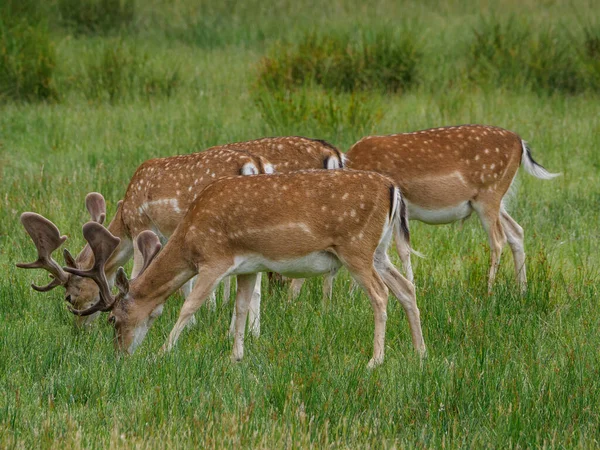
[447, 173]
[320, 221]
[157, 199]
[158, 196]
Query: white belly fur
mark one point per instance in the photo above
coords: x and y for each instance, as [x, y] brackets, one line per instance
[316, 263]
[441, 215]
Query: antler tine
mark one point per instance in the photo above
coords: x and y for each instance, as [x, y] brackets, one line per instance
[55, 282]
[103, 244]
[46, 237]
[96, 206]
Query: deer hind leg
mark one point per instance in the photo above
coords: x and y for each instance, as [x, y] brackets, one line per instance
[368, 278]
[515, 236]
[403, 250]
[489, 216]
[295, 288]
[207, 281]
[246, 285]
[404, 291]
[254, 313]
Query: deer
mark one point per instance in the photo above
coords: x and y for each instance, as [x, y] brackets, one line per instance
[157, 198]
[321, 220]
[447, 173]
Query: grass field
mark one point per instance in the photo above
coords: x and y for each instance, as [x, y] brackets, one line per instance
[176, 77]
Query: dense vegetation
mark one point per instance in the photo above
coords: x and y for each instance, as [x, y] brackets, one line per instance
[89, 89]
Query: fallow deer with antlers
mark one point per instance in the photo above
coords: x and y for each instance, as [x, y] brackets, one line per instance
[158, 197]
[320, 221]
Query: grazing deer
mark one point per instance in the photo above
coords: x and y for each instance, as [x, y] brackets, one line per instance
[320, 221]
[447, 173]
[158, 197]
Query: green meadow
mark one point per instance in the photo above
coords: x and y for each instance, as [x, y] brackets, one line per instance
[90, 89]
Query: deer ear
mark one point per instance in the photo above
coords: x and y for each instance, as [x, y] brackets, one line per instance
[149, 246]
[69, 260]
[122, 282]
[96, 206]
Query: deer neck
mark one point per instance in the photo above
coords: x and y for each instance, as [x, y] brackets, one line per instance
[167, 273]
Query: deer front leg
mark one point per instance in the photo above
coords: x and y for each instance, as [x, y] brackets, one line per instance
[246, 284]
[206, 283]
[186, 290]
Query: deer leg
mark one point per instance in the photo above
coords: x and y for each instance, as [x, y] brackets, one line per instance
[515, 236]
[404, 291]
[489, 216]
[186, 290]
[295, 288]
[226, 290]
[254, 316]
[328, 280]
[368, 278]
[404, 253]
[245, 287]
[207, 281]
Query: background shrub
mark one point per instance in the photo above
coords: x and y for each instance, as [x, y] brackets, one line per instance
[122, 72]
[27, 61]
[513, 54]
[382, 61]
[317, 113]
[96, 16]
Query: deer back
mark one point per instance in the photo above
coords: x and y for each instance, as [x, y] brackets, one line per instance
[293, 153]
[442, 166]
[289, 215]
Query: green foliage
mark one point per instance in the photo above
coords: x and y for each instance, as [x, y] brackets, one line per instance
[122, 72]
[316, 113]
[27, 61]
[384, 61]
[96, 16]
[513, 53]
[591, 56]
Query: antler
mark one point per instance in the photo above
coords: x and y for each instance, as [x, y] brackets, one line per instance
[103, 244]
[47, 239]
[96, 206]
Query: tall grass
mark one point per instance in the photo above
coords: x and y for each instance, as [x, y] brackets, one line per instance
[504, 370]
[27, 61]
[515, 54]
[123, 72]
[96, 16]
[383, 61]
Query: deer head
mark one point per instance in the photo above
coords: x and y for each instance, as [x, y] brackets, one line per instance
[102, 244]
[47, 239]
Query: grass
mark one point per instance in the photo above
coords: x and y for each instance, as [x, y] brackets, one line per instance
[503, 371]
